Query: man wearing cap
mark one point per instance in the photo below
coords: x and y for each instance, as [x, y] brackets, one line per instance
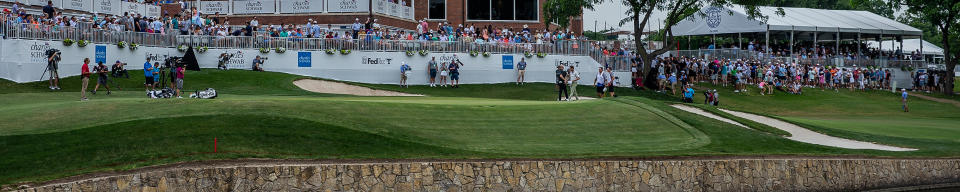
[404, 72]
[521, 69]
[432, 66]
[148, 74]
[903, 99]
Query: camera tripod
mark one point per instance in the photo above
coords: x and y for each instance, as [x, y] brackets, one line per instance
[57, 77]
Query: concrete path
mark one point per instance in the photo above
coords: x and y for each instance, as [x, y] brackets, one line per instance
[934, 99]
[698, 111]
[804, 135]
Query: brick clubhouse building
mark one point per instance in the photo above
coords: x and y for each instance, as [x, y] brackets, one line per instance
[393, 13]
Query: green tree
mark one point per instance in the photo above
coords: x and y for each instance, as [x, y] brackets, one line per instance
[561, 11]
[599, 36]
[639, 13]
[943, 15]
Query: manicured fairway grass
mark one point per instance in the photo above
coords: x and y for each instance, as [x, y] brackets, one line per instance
[46, 135]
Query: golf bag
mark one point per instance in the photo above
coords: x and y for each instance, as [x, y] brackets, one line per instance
[209, 93]
[162, 93]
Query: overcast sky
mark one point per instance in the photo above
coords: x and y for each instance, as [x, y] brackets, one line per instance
[609, 13]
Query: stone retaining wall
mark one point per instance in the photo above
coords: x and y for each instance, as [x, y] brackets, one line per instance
[667, 175]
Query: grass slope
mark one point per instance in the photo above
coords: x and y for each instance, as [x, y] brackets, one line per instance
[229, 81]
[47, 156]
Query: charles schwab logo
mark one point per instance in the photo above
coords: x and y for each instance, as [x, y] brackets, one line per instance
[77, 3]
[301, 5]
[237, 61]
[349, 5]
[38, 52]
[254, 6]
[713, 16]
[375, 61]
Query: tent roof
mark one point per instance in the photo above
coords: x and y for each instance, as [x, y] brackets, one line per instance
[734, 19]
[909, 45]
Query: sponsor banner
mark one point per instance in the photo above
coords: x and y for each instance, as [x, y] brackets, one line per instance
[393, 9]
[301, 6]
[212, 7]
[407, 13]
[348, 6]
[508, 62]
[128, 7]
[380, 6]
[80, 5]
[56, 3]
[152, 11]
[304, 59]
[111, 7]
[101, 54]
[254, 6]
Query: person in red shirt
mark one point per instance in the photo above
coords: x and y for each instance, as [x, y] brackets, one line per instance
[84, 78]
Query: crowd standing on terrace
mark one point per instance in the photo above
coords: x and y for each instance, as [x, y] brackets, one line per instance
[822, 51]
[192, 22]
[789, 77]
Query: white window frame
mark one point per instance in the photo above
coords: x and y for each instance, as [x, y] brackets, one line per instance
[444, 11]
[490, 4]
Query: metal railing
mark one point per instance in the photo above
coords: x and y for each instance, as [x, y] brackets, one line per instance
[365, 43]
[716, 53]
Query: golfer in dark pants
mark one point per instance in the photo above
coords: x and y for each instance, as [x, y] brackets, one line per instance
[562, 84]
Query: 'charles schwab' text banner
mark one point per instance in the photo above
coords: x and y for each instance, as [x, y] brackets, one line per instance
[380, 6]
[301, 6]
[393, 9]
[130, 7]
[80, 5]
[212, 7]
[348, 6]
[407, 13]
[152, 11]
[56, 3]
[111, 7]
[254, 6]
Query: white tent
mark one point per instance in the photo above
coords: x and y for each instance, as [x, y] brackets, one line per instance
[733, 19]
[909, 45]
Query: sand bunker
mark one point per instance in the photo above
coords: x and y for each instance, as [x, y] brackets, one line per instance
[321, 86]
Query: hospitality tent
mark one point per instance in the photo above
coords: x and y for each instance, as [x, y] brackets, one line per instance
[909, 45]
[796, 23]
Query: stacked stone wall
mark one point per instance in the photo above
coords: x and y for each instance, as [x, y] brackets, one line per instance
[665, 175]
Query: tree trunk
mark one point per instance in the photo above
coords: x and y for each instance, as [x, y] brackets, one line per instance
[949, 59]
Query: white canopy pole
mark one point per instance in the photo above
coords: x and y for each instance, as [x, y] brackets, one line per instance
[922, 56]
[836, 52]
[766, 48]
[859, 51]
[880, 45]
[816, 52]
[901, 47]
[791, 44]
